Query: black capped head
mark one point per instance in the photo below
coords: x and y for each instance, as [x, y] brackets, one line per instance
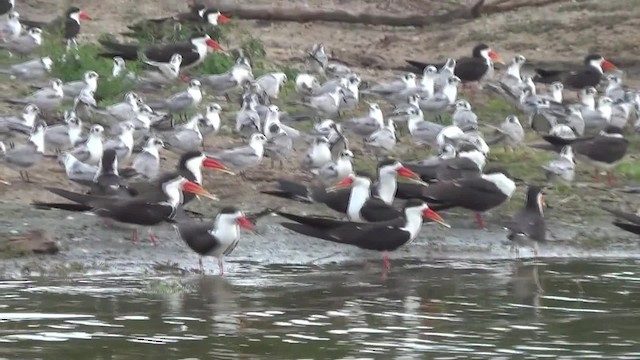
[229, 210]
[592, 57]
[389, 161]
[497, 170]
[478, 49]
[413, 203]
[535, 197]
[182, 163]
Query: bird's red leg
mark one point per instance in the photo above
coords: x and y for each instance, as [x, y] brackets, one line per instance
[610, 178]
[480, 220]
[153, 238]
[201, 266]
[386, 263]
[221, 266]
[597, 175]
[134, 235]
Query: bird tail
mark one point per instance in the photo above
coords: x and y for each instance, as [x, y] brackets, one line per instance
[15, 101]
[634, 228]
[317, 222]
[546, 76]
[61, 206]
[73, 196]
[126, 51]
[290, 190]
[309, 231]
[417, 64]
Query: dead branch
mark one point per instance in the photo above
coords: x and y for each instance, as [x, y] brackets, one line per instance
[300, 14]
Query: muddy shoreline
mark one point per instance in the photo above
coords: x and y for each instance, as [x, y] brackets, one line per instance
[89, 246]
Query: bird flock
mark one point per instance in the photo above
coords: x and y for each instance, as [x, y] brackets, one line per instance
[116, 151]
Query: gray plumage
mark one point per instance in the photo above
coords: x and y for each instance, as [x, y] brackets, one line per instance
[76, 170]
[123, 144]
[422, 131]
[30, 70]
[271, 83]
[24, 156]
[64, 136]
[318, 154]
[463, 117]
[243, 157]
[326, 104]
[383, 140]
[561, 168]
[12, 125]
[24, 44]
[147, 162]
[72, 89]
[184, 100]
[46, 99]
[186, 138]
[366, 125]
[512, 131]
[279, 145]
[234, 78]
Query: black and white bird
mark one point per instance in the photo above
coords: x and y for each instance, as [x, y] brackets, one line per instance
[218, 239]
[527, 226]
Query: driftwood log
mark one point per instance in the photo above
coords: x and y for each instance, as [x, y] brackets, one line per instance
[302, 14]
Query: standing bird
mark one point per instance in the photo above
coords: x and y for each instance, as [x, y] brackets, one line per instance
[271, 83]
[64, 136]
[234, 78]
[527, 226]
[147, 163]
[29, 70]
[46, 99]
[76, 170]
[562, 168]
[366, 125]
[183, 101]
[589, 75]
[90, 151]
[186, 138]
[318, 154]
[306, 84]
[383, 140]
[12, 28]
[25, 156]
[384, 236]
[334, 171]
[469, 69]
[218, 239]
[511, 132]
[25, 44]
[123, 144]
[463, 117]
[245, 157]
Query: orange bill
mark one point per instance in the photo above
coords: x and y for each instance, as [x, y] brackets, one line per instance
[84, 16]
[342, 184]
[217, 165]
[196, 189]
[223, 19]
[214, 44]
[608, 65]
[494, 56]
[245, 223]
[434, 216]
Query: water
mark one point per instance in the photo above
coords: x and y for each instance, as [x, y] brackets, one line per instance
[569, 309]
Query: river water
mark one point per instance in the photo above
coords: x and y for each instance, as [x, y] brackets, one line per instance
[569, 309]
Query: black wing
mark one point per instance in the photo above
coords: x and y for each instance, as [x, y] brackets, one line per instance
[634, 228]
[603, 148]
[419, 65]
[375, 210]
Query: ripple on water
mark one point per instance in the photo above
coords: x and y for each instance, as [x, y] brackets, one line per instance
[16, 316]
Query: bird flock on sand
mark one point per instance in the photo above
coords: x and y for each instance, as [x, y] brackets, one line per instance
[115, 150]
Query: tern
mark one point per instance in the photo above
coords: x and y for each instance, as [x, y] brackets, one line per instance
[334, 171]
[463, 117]
[147, 163]
[306, 84]
[123, 144]
[186, 138]
[234, 78]
[47, 99]
[9, 125]
[90, 151]
[25, 156]
[367, 125]
[396, 90]
[76, 170]
[318, 154]
[30, 70]
[271, 83]
[64, 136]
[183, 101]
[125, 110]
[12, 28]
[25, 44]
[247, 118]
[562, 168]
[443, 99]
[511, 132]
[165, 73]
[383, 140]
[243, 157]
